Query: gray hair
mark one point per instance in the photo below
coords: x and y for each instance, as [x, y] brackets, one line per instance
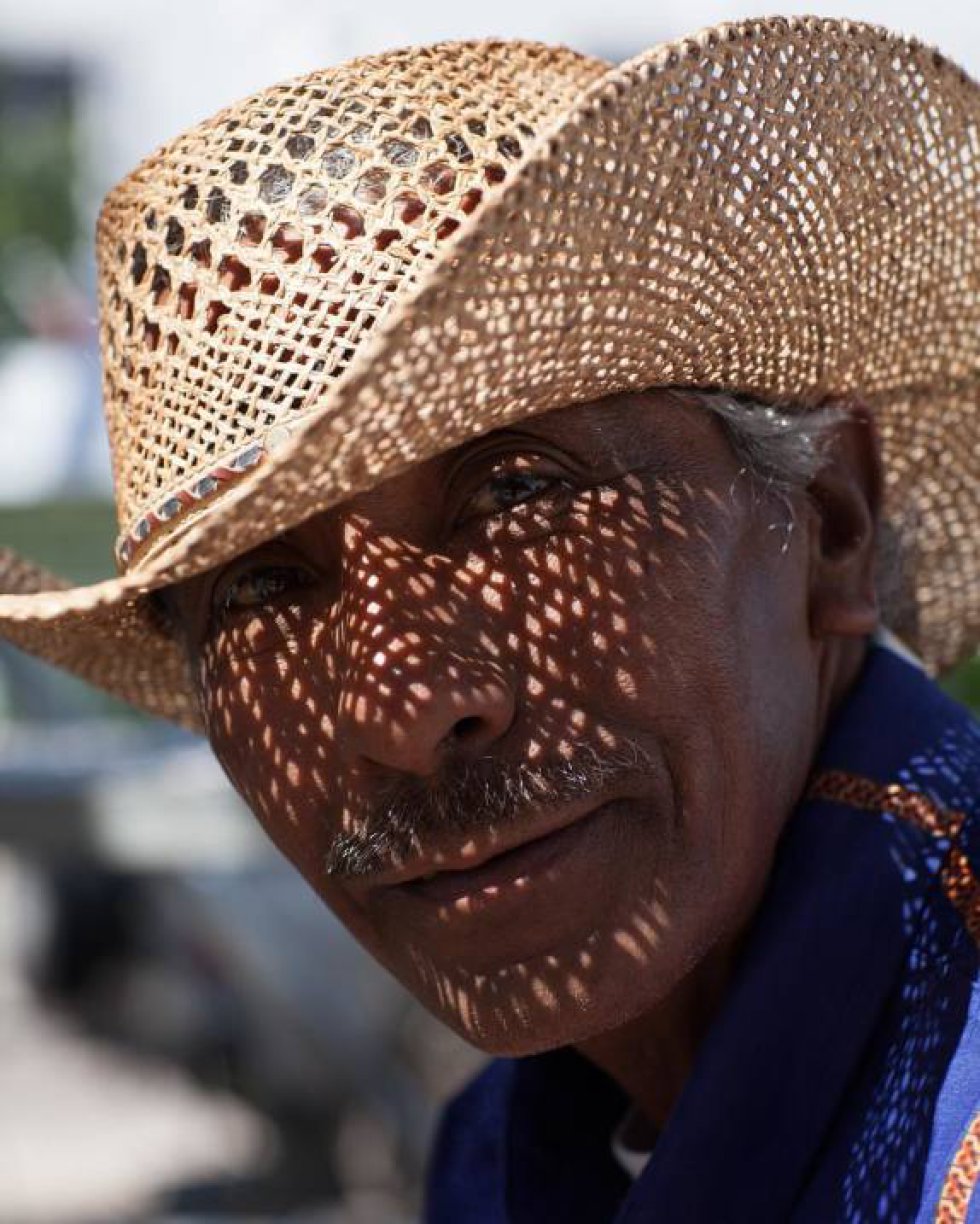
[781, 447]
[778, 444]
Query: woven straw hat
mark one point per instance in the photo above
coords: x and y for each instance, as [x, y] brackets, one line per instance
[350, 272]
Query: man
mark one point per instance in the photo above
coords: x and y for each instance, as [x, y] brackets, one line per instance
[511, 453]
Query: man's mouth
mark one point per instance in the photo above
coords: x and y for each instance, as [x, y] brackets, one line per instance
[486, 867]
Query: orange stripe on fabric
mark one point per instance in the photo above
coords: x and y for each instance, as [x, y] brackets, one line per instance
[961, 1179]
[959, 881]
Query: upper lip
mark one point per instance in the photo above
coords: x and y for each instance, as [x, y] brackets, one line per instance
[537, 825]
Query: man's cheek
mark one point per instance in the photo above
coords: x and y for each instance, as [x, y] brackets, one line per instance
[253, 781]
[292, 831]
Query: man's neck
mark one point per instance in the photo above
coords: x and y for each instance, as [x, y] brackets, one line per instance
[651, 1056]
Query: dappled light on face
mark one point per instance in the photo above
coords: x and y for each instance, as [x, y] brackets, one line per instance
[467, 739]
[523, 1000]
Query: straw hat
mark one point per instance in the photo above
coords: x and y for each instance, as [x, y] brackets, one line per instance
[347, 273]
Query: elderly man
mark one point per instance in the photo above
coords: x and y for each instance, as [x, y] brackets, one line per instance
[525, 580]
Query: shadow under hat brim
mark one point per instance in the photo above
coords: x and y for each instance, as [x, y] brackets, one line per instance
[815, 243]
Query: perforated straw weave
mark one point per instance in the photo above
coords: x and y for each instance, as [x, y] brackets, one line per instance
[244, 264]
[353, 271]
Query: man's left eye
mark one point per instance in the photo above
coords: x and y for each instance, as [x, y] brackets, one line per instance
[506, 490]
[262, 586]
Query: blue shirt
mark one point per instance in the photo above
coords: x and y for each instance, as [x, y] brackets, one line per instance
[840, 1080]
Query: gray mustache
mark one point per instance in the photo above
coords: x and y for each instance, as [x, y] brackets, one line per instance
[476, 796]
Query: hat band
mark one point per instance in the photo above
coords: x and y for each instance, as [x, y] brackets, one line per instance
[205, 486]
[179, 502]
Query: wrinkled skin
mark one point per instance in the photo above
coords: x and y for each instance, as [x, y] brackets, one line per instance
[600, 586]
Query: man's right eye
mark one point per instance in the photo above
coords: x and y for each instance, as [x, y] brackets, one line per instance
[263, 587]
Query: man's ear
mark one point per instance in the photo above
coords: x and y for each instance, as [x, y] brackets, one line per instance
[846, 499]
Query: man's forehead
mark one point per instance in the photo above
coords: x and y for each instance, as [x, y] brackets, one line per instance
[611, 427]
[615, 431]
[595, 418]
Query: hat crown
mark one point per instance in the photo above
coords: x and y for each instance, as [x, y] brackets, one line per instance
[243, 263]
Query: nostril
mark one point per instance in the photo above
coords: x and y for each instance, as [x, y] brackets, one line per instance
[467, 728]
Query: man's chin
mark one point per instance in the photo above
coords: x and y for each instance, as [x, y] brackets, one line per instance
[537, 1013]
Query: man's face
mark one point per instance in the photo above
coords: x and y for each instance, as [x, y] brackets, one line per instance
[529, 716]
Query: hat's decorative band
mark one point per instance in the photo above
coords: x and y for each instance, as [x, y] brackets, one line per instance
[177, 502]
[204, 486]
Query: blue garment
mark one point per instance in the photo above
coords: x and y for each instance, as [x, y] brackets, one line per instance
[840, 1080]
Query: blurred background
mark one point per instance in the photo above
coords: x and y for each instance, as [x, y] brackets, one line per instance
[185, 1032]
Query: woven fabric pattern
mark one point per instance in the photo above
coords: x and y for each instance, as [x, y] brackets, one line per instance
[781, 207]
[961, 1180]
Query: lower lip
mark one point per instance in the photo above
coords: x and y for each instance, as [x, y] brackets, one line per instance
[509, 876]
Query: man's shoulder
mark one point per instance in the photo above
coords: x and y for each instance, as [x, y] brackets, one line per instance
[467, 1160]
[904, 751]
[528, 1139]
[906, 757]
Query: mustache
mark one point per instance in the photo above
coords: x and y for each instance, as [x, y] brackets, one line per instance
[473, 797]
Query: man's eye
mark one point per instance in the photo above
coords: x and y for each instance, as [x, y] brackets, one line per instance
[260, 587]
[507, 490]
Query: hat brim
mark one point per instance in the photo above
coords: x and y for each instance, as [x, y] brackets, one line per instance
[779, 207]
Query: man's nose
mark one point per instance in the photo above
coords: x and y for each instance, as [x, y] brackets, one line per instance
[419, 682]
